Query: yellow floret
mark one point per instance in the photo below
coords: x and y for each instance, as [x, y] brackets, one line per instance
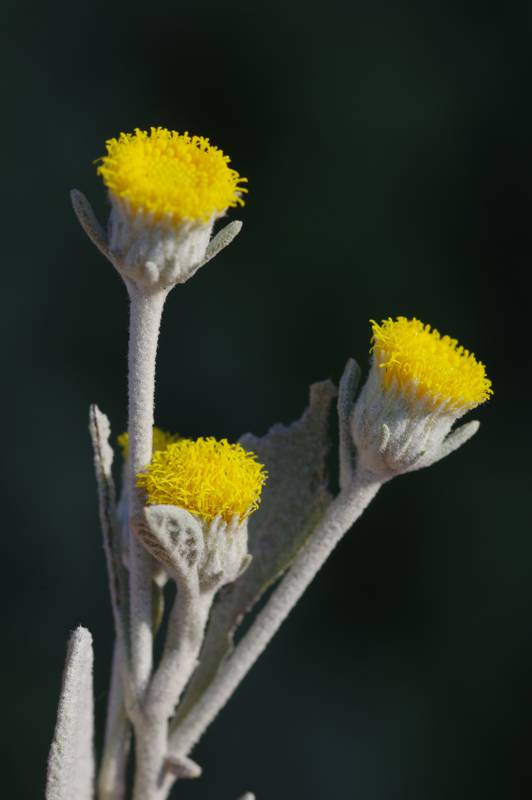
[207, 477]
[427, 366]
[170, 175]
[161, 440]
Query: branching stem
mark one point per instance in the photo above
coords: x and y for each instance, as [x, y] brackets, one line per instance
[339, 517]
[183, 643]
[150, 739]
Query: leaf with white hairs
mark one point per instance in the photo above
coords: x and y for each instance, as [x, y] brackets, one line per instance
[71, 759]
[294, 499]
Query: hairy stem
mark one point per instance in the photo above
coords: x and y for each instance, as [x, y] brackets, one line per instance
[339, 517]
[186, 630]
[145, 317]
[151, 740]
[184, 639]
[112, 775]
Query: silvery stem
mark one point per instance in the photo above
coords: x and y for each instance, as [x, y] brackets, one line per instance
[112, 775]
[145, 317]
[151, 741]
[186, 631]
[184, 639]
[339, 517]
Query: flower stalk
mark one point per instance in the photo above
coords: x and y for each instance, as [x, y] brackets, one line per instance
[181, 651]
[145, 318]
[338, 519]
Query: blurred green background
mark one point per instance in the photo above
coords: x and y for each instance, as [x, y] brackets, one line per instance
[387, 150]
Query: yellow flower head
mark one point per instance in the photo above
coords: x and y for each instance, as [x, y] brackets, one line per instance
[428, 367]
[161, 440]
[170, 176]
[206, 477]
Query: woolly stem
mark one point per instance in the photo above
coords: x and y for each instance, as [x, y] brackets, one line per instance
[151, 739]
[186, 630]
[339, 517]
[145, 317]
[184, 639]
[112, 775]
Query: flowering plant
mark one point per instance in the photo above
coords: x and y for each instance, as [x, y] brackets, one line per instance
[223, 522]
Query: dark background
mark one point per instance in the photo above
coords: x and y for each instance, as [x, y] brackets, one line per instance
[387, 150]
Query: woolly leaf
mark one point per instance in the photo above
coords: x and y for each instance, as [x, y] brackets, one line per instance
[293, 500]
[71, 759]
[100, 430]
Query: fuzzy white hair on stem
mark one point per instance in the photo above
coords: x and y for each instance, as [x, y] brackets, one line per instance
[419, 385]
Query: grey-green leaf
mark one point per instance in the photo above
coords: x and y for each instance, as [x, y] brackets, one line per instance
[71, 759]
[100, 431]
[89, 223]
[294, 499]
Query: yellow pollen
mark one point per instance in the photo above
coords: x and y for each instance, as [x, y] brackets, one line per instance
[170, 176]
[207, 477]
[161, 440]
[428, 367]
